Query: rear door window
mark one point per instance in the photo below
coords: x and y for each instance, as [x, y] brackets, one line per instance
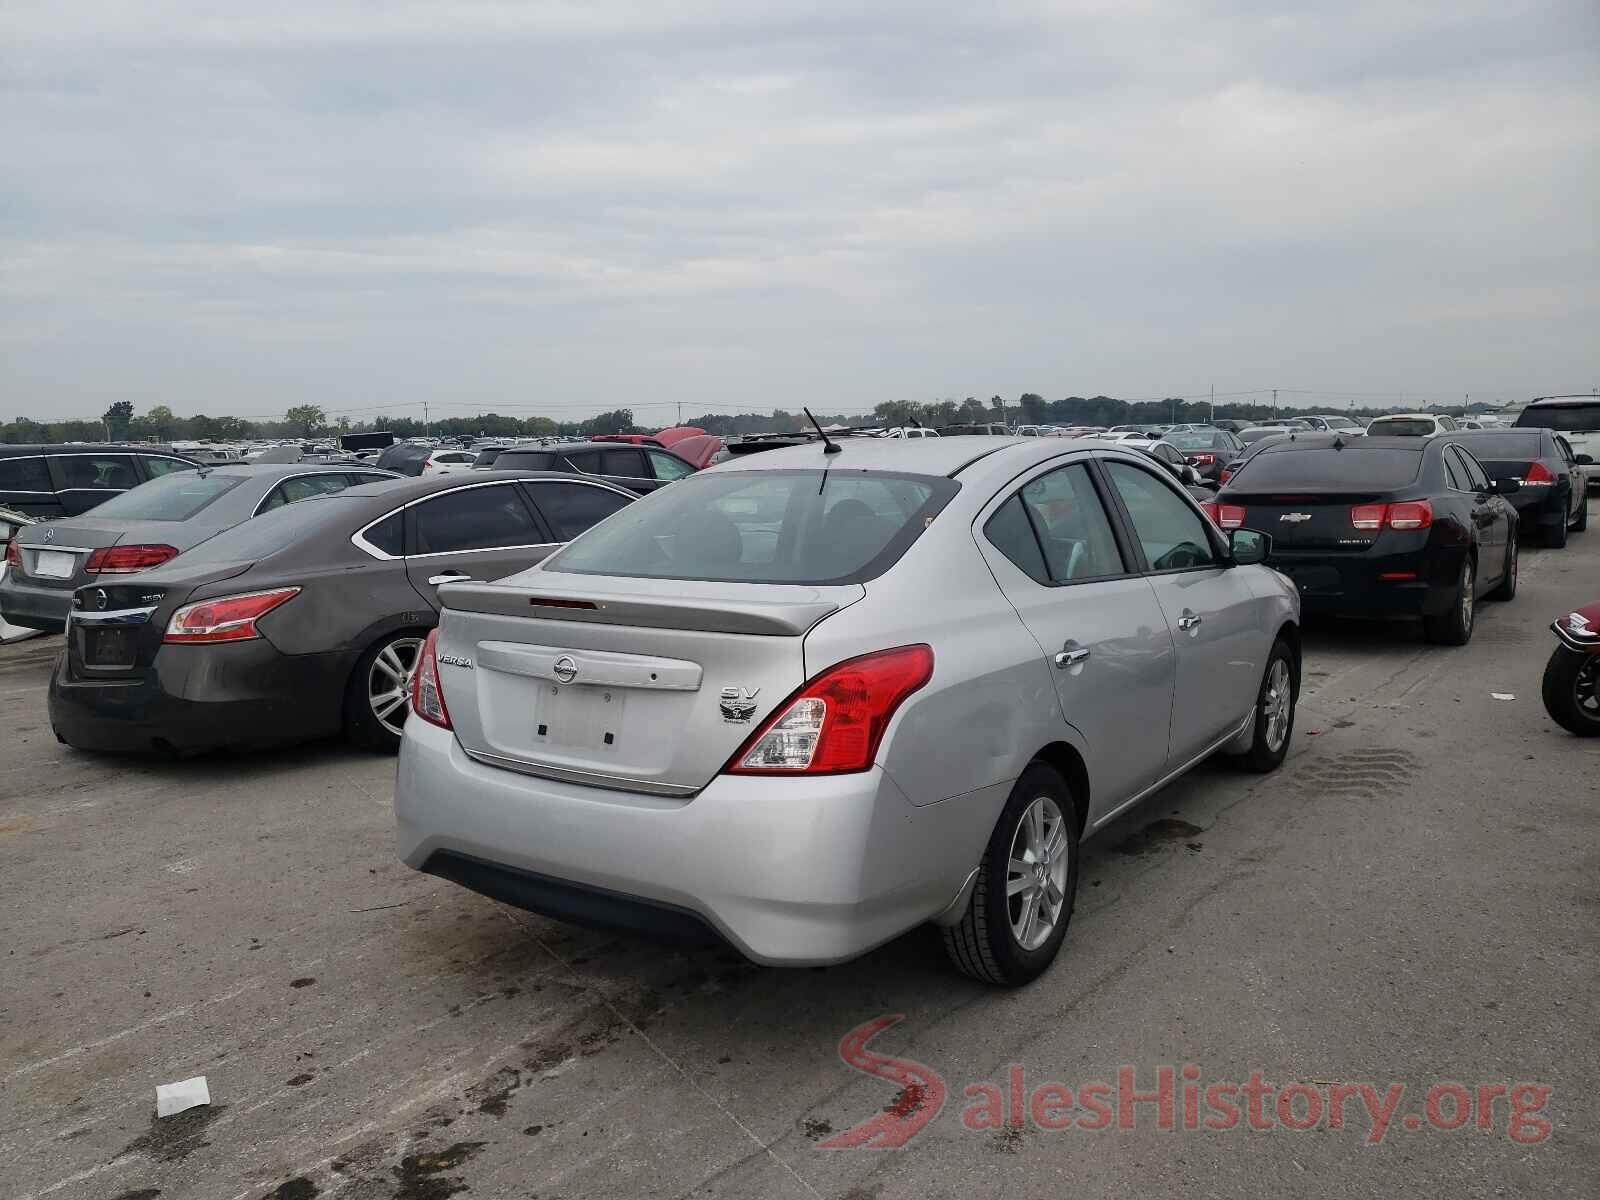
[626, 463]
[570, 508]
[1010, 532]
[304, 487]
[810, 526]
[1172, 534]
[156, 467]
[95, 472]
[24, 475]
[1477, 481]
[479, 518]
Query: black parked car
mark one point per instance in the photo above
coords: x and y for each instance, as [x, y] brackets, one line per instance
[1207, 450]
[1375, 525]
[1552, 495]
[146, 526]
[63, 481]
[637, 468]
[304, 622]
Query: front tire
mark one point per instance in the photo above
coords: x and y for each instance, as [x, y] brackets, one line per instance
[1454, 626]
[377, 699]
[1572, 691]
[1026, 886]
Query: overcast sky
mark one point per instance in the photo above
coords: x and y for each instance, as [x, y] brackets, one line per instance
[563, 207]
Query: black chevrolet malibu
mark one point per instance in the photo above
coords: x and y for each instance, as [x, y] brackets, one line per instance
[1380, 525]
[304, 622]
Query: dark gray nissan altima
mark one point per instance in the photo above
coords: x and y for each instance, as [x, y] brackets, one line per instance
[149, 525]
[304, 622]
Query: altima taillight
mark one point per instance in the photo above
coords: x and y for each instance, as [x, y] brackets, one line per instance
[1406, 515]
[833, 725]
[427, 697]
[225, 619]
[125, 560]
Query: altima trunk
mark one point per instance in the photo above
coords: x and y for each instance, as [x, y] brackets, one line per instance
[642, 685]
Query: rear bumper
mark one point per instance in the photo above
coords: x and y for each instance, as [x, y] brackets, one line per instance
[1353, 585]
[199, 698]
[1541, 509]
[790, 872]
[28, 604]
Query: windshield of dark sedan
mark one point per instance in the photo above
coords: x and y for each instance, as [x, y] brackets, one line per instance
[175, 497]
[1564, 418]
[1322, 468]
[810, 527]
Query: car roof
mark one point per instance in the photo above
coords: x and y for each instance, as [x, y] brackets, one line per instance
[1323, 441]
[410, 487]
[34, 448]
[1563, 402]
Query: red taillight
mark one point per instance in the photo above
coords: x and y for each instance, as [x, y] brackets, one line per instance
[1202, 460]
[13, 555]
[1406, 515]
[427, 697]
[1367, 516]
[1412, 514]
[1225, 516]
[1227, 474]
[124, 560]
[226, 619]
[1537, 474]
[833, 724]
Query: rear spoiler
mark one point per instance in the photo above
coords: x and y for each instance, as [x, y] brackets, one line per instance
[782, 618]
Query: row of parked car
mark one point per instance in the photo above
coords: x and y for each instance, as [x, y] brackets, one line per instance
[900, 677]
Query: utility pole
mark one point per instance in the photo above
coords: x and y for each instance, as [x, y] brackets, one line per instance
[1211, 405]
[1274, 397]
[680, 412]
[424, 418]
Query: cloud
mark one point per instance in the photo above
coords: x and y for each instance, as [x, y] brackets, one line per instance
[753, 204]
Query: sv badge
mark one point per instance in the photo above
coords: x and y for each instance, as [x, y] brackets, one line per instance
[739, 704]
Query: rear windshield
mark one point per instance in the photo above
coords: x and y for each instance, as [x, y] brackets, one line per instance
[1413, 427]
[1500, 445]
[1191, 441]
[524, 460]
[810, 527]
[1255, 435]
[1322, 468]
[271, 531]
[175, 497]
[1568, 418]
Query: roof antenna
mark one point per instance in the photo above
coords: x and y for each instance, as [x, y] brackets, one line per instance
[828, 447]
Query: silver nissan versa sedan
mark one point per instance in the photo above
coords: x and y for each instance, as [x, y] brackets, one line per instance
[808, 699]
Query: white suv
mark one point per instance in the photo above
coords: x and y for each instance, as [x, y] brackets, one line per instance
[1576, 418]
[1411, 425]
[443, 462]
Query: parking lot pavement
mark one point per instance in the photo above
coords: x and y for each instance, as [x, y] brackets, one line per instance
[1410, 900]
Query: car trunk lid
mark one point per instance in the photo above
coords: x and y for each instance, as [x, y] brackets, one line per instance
[54, 553]
[642, 685]
[1308, 519]
[116, 626]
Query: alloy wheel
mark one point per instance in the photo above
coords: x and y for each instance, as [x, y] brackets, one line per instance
[1466, 597]
[389, 682]
[1586, 688]
[1036, 873]
[1277, 705]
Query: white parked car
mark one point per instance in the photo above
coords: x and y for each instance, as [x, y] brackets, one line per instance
[443, 462]
[1576, 418]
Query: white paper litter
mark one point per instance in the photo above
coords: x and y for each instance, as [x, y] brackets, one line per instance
[179, 1097]
[1502, 695]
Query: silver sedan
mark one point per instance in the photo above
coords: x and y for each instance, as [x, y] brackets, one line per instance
[808, 699]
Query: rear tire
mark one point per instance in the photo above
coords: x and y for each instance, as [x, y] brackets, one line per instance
[1454, 627]
[382, 676]
[997, 941]
[1570, 691]
[1581, 521]
[1507, 587]
[1556, 535]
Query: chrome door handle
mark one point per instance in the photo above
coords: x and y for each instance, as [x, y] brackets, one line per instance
[1188, 621]
[1072, 658]
[447, 577]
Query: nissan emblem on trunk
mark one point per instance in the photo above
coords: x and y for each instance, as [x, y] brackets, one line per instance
[565, 669]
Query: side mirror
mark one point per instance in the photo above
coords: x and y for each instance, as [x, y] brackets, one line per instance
[1502, 487]
[1248, 547]
[1585, 460]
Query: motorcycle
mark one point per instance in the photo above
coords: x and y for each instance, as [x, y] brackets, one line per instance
[1572, 676]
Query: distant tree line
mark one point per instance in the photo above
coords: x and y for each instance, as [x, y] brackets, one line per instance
[159, 424]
